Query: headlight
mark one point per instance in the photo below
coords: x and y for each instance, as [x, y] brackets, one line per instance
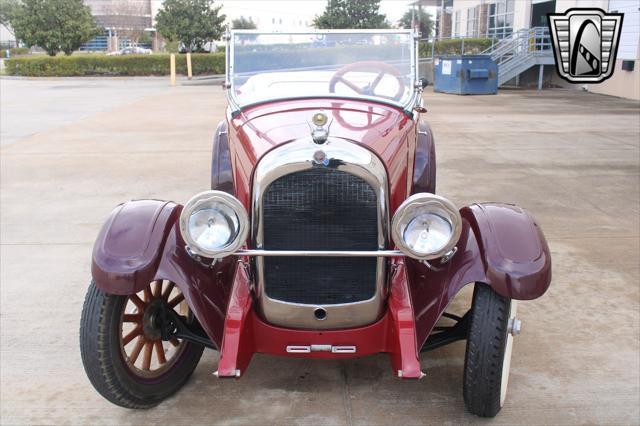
[426, 226]
[214, 224]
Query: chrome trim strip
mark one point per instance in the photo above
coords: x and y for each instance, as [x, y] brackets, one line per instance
[343, 349]
[298, 349]
[303, 349]
[303, 253]
[298, 156]
[407, 109]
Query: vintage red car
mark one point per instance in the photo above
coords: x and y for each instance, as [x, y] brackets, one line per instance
[321, 237]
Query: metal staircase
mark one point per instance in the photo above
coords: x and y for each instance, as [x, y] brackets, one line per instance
[526, 48]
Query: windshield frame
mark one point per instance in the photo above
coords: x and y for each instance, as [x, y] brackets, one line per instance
[407, 106]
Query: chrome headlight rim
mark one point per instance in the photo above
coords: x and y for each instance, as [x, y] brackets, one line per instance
[429, 203]
[202, 199]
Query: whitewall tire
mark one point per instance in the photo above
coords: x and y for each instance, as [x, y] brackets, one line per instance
[489, 346]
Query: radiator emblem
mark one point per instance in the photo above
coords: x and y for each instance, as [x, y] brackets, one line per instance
[319, 157]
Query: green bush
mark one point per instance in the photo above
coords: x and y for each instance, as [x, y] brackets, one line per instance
[103, 65]
[210, 63]
[472, 46]
[14, 51]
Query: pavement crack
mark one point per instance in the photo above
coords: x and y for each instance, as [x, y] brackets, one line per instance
[346, 393]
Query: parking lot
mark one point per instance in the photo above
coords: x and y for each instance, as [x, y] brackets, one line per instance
[73, 149]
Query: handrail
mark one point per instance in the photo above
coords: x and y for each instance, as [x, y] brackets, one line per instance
[516, 53]
[521, 42]
[512, 53]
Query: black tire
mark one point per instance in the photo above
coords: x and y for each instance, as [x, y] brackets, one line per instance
[103, 361]
[485, 353]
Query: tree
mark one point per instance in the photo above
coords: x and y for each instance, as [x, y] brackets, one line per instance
[8, 12]
[421, 19]
[54, 25]
[192, 22]
[351, 14]
[243, 23]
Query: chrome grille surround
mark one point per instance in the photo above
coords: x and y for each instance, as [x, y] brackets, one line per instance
[301, 155]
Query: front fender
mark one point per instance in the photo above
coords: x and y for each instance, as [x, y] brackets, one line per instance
[515, 254]
[424, 168]
[500, 245]
[128, 248]
[140, 242]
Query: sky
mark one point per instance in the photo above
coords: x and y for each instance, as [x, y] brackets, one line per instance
[294, 11]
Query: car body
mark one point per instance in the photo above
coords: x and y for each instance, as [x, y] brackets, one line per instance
[321, 237]
[131, 50]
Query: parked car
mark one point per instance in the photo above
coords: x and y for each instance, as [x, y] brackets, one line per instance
[322, 235]
[131, 50]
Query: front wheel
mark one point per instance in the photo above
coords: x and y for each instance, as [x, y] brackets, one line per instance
[488, 356]
[122, 351]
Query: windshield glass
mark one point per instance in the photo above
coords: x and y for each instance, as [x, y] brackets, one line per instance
[356, 64]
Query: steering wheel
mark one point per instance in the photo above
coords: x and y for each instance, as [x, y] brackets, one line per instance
[369, 90]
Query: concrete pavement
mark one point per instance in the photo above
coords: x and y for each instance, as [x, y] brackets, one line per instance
[571, 158]
[63, 101]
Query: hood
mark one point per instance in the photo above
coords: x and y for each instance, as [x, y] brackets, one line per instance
[384, 129]
[377, 126]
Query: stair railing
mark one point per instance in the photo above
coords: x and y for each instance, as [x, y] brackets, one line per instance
[524, 42]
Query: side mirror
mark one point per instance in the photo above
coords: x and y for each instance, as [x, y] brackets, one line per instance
[423, 82]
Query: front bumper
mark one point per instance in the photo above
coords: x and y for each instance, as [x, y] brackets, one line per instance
[245, 333]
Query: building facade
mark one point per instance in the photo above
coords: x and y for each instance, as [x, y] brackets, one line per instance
[7, 39]
[625, 81]
[274, 15]
[125, 22]
[501, 18]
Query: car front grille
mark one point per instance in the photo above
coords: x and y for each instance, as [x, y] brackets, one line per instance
[320, 209]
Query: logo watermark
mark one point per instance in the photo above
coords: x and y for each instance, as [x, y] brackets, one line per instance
[585, 43]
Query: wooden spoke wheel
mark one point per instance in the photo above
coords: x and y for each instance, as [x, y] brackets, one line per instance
[144, 351]
[122, 349]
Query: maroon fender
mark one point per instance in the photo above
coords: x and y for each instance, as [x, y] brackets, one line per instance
[514, 251]
[424, 168]
[221, 170]
[140, 242]
[127, 250]
[500, 245]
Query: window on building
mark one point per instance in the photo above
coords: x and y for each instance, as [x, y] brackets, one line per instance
[500, 19]
[98, 43]
[472, 22]
[456, 23]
